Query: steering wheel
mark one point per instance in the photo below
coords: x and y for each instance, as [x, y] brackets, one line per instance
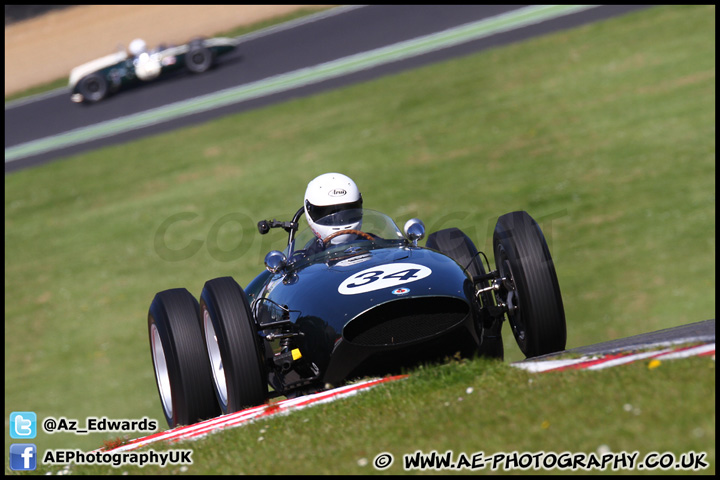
[366, 236]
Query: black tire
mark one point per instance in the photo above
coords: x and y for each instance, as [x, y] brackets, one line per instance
[93, 88]
[199, 59]
[233, 346]
[182, 368]
[531, 286]
[455, 244]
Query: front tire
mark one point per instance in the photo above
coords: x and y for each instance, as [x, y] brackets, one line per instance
[233, 346]
[93, 88]
[530, 287]
[182, 369]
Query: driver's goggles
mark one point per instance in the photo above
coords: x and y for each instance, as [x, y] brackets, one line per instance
[317, 212]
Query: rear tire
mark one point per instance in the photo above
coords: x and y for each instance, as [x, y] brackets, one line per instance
[531, 286]
[453, 243]
[199, 59]
[233, 346]
[182, 368]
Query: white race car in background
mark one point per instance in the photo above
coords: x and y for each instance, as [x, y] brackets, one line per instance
[95, 80]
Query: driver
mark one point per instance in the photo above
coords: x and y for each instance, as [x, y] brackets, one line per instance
[146, 67]
[336, 195]
[137, 47]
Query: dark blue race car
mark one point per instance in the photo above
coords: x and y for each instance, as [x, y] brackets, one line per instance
[321, 314]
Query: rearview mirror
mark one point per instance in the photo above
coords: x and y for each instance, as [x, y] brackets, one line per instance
[414, 230]
[275, 261]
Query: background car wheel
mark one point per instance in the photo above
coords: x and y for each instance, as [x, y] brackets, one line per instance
[199, 59]
[182, 369]
[530, 287]
[455, 244]
[93, 88]
[232, 343]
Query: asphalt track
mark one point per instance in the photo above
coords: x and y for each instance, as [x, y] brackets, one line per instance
[326, 46]
[327, 39]
[699, 332]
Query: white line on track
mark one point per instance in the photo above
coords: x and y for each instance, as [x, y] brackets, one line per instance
[599, 362]
[251, 414]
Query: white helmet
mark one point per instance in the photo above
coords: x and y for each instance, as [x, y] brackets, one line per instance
[333, 203]
[137, 47]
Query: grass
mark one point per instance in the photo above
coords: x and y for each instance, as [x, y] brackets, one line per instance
[605, 134]
[469, 407]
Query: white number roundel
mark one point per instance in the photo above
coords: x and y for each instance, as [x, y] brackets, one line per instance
[383, 276]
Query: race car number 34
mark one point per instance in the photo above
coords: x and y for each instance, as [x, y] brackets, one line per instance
[383, 276]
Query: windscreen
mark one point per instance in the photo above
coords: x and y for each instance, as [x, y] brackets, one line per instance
[381, 232]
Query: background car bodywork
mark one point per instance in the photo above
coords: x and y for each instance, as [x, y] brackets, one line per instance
[93, 81]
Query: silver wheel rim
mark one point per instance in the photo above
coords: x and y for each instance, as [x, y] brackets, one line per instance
[216, 364]
[161, 371]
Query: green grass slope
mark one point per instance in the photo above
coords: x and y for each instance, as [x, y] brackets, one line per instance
[605, 134]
